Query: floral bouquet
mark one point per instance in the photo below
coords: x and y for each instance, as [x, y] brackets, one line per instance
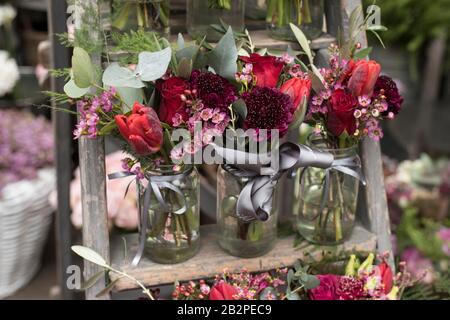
[350, 101]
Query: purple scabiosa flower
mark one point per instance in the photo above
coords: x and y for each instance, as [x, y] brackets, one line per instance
[387, 87]
[350, 288]
[268, 108]
[213, 90]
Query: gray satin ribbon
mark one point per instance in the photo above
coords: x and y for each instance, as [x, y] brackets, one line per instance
[155, 184]
[256, 197]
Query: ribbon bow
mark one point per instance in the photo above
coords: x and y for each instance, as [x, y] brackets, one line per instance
[256, 198]
[155, 185]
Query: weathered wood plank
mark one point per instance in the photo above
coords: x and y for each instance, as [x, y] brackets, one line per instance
[93, 192]
[211, 260]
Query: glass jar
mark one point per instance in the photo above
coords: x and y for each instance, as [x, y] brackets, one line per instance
[201, 14]
[326, 217]
[173, 231]
[239, 238]
[306, 14]
[147, 15]
[255, 9]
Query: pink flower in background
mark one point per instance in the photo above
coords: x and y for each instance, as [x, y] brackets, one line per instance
[122, 212]
[419, 266]
[444, 235]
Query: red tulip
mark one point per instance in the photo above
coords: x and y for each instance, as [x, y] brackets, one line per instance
[298, 89]
[223, 291]
[364, 76]
[142, 129]
[267, 69]
[387, 277]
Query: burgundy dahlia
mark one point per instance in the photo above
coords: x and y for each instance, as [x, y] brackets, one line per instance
[350, 288]
[268, 108]
[213, 90]
[390, 91]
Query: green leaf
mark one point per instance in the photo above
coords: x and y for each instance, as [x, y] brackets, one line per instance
[92, 280]
[361, 54]
[107, 289]
[355, 20]
[378, 37]
[153, 65]
[73, 91]
[293, 296]
[90, 255]
[130, 96]
[223, 58]
[377, 28]
[108, 128]
[243, 53]
[311, 282]
[117, 76]
[316, 82]
[185, 68]
[188, 52]
[240, 108]
[303, 41]
[83, 71]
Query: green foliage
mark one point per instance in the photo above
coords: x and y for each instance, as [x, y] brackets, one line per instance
[133, 43]
[438, 290]
[413, 23]
[224, 56]
[420, 233]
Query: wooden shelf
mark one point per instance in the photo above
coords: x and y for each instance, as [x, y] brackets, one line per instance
[212, 260]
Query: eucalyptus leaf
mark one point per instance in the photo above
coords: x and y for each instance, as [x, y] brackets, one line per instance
[73, 91]
[90, 255]
[240, 108]
[92, 280]
[293, 296]
[188, 52]
[130, 96]
[311, 282]
[117, 76]
[153, 65]
[185, 68]
[316, 82]
[303, 41]
[83, 71]
[223, 58]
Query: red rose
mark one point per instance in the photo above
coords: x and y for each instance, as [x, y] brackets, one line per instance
[223, 291]
[326, 289]
[340, 113]
[267, 69]
[171, 103]
[386, 276]
[297, 89]
[364, 76]
[142, 129]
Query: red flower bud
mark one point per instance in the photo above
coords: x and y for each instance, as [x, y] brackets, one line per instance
[298, 89]
[363, 78]
[142, 129]
[223, 291]
[267, 69]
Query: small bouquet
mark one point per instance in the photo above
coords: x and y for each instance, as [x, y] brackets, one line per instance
[350, 101]
[363, 281]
